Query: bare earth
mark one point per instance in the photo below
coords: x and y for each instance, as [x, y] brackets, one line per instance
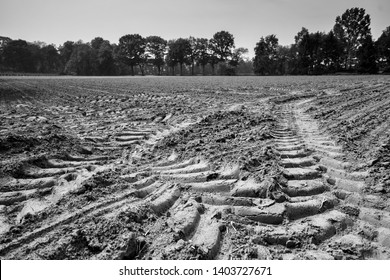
[195, 168]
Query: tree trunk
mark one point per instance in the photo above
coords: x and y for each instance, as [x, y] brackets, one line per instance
[203, 69]
[132, 70]
[181, 69]
[192, 68]
[142, 70]
[159, 70]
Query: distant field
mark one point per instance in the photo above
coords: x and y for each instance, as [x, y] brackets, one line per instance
[211, 83]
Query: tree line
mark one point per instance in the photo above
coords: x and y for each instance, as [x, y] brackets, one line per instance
[133, 55]
[348, 47]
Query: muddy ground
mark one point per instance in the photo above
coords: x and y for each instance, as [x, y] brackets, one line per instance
[195, 168]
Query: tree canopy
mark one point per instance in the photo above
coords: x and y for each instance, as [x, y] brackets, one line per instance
[179, 52]
[222, 45]
[131, 50]
[156, 48]
[352, 28]
[266, 55]
[383, 49]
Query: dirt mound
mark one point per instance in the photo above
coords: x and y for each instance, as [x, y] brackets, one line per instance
[229, 135]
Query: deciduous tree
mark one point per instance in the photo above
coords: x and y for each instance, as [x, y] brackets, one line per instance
[106, 59]
[222, 45]
[367, 56]
[156, 48]
[132, 49]
[266, 56]
[383, 49]
[65, 52]
[202, 52]
[18, 56]
[332, 52]
[237, 56]
[50, 59]
[352, 28]
[179, 52]
[192, 54]
[82, 61]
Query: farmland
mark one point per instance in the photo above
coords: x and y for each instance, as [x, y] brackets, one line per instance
[195, 167]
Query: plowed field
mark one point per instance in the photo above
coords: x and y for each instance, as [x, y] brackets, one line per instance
[195, 168]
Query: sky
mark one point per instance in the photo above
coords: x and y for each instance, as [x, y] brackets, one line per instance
[55, 21]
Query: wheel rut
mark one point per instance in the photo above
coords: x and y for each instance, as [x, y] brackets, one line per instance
[327, 203]
[43, 182]
[320, 211]
[317, 208]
